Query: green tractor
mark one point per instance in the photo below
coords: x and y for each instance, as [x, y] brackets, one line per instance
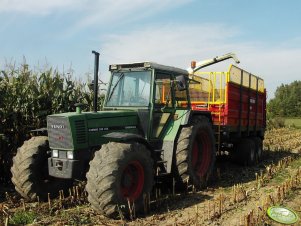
[145, 130]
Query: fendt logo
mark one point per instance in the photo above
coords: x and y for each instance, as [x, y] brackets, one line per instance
[57, 126]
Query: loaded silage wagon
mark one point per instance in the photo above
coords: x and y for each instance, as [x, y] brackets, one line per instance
[236, 100]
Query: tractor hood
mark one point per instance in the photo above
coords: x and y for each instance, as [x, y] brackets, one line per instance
[74, 131]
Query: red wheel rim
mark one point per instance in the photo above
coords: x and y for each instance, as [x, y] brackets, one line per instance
[132, 180]
[201, 154]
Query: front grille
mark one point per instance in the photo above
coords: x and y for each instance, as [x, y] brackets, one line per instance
[59, 132]
[80, 131]
[62, 154]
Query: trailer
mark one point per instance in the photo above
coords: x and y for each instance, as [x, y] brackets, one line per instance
[236, 100]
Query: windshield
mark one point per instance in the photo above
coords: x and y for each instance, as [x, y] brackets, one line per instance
[129, 89]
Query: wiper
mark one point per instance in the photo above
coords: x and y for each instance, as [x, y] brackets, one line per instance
[121, 76]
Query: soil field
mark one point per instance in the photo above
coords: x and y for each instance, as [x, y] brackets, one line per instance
[237, 195]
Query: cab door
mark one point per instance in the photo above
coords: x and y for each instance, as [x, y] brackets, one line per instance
[163, 107]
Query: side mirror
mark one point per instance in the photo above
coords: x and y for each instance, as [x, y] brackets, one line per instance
[181, 82]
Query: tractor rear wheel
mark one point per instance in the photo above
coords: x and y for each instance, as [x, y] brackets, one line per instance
[195, 153]
[30, 171]
[119, 172]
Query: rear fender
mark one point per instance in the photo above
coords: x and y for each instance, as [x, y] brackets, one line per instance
[169, 137]
[188, 117]
[184, 118]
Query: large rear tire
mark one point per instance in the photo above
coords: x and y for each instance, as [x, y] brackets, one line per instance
[30, 171]
[118, 172]
[195, 153]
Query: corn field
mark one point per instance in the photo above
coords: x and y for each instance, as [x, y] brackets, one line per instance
[283, 139]
[26, 98]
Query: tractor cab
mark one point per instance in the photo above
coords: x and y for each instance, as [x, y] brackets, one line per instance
[155, 91]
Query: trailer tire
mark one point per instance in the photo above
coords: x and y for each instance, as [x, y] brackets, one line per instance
[195, 153]
[118, 172]
[30, 171]
[245, 152]
[258, 148]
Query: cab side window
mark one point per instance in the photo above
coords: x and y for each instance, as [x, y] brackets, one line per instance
[163, 91]
[181, 97]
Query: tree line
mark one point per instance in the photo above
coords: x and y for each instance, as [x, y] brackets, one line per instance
[287, 101]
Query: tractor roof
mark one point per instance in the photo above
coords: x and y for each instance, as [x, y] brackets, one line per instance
[142, 65]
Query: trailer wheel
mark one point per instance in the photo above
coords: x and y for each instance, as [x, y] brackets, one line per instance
[119, 172]
[195, 153]
[245, 152]
[30, 171]
[258, 148]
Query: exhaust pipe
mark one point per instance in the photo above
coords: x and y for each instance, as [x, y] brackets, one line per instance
[96, 66]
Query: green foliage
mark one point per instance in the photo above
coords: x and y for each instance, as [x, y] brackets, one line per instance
[22, 218]
[79, 219]
[5, 157]
[287, 101]
[275, 123]
[27, 97]
[75, 217]
[293, 122]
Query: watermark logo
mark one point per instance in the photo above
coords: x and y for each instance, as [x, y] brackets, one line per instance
[282, 215]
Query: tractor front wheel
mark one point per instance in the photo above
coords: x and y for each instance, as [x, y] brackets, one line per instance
[30, 171]
[119, 172]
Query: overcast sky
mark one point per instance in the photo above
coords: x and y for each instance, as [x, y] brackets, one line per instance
[265, 35]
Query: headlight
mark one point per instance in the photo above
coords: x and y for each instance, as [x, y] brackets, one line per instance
[55, 153]
[69, 154]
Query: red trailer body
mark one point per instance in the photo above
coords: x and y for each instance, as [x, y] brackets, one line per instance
[243, 108]
[236, 100]
[246, 108]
